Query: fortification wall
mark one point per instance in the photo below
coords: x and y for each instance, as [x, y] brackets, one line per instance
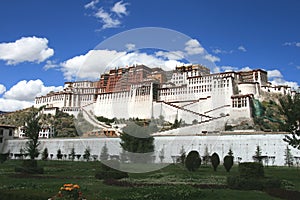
[242, 145]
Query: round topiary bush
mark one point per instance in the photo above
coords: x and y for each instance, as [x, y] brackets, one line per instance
[215, 161]
[228, 162]
[192, 161]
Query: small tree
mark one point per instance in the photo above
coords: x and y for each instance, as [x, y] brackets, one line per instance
[32, 129]
[72, 154]
[45, 154]
[192, 161]
[206, 157]
[215, 161]
[104, 153]
[257, 156]
[59, 155]
[289, 159]
[87, 154]
[228, 160]
[162, 155]
[182, 155]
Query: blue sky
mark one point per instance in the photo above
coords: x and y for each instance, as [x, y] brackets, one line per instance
[43, 43]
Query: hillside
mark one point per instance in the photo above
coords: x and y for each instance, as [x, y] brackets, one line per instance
[63, 123]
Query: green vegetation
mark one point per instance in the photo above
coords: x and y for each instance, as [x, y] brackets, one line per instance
[165, 182]
[192, 161]
[215, 161]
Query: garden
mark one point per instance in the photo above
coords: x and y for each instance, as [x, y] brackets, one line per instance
[78, 180]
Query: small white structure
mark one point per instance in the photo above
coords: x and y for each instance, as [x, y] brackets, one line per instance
[45, 132]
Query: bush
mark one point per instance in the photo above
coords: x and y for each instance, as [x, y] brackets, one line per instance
[251, 170]
[242, 183]
[109, 170]
[3, 157]
[228, 162]
[30, 167]
[192, 161]
[215, 161]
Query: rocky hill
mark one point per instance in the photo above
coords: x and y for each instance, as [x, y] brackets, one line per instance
[63, 123]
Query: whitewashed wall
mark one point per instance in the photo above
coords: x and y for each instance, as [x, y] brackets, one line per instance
[243, 146]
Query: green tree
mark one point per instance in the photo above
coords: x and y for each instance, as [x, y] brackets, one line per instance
[72, 154]
[138, 143]
[32, 129]
[104, 153]
[228, 160]
[289, 159]
[162, 154]
[206, 157]
[182, 155]
[45, 154]
[257, 156]
[289, 107]
[192, 161]
[87, 154]
[59, 155]
[215, 161]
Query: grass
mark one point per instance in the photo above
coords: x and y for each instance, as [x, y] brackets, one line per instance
[58, 173]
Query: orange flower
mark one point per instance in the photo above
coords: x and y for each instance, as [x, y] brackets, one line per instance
[68, 185]
[76, 186]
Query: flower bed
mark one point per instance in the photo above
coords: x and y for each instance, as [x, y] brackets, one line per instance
[69, 191]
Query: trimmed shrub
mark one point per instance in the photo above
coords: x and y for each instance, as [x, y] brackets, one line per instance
[30, 167]
[228, 162]
[215, 161]
[251, 170]
[3, 157]
[192, 161]
[109, 170]
[242, 183]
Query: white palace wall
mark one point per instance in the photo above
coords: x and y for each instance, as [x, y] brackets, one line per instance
[242, 145]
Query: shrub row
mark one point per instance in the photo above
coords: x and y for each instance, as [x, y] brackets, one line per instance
[242, 183]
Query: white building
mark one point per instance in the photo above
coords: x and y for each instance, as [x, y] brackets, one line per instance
[45, 132]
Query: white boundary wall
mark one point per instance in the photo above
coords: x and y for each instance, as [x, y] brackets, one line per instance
[242, 145]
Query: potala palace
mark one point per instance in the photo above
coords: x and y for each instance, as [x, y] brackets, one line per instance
[206, 102]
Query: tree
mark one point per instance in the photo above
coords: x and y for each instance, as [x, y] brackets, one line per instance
[289, 107]
[138, 143]
[289, 159]
[45, 154]
[206, 157]
[162, 154]
[72, 154]
[182, 155]
[192, 161]
[215, 161]
[59, 155]
[87, 154]
[257, 156]
[228, 160]
[104, 153]
[32, 129]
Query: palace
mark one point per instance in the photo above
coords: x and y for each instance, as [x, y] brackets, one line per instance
[190, 93]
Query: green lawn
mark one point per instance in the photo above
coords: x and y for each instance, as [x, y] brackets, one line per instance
[59, 172]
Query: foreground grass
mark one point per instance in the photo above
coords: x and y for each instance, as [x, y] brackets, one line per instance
[58, 173]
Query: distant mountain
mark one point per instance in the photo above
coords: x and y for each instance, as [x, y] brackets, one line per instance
[2, 112]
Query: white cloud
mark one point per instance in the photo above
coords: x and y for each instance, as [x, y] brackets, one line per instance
[107, 20]
[193, 47]
[228, 68]
[296, 44]
[130, 46]
[120, 8]
[2, 89]
[274, 74]
[28, 90]
[26, 49]
[92, 4]
[89, 65]
[221, 51]
[9, 105]
[276, 78]
[246, 68]
[211, 58]
[171, 55]
[242, 48]
[50, 65]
